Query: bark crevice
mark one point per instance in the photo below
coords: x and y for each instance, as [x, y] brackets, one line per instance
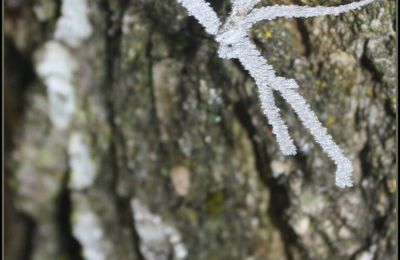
[279, 200]
[113, 32]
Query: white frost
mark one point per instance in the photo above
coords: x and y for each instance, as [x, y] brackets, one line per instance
[243, 5]
[290, 11]
[235, 44]
[73, 27]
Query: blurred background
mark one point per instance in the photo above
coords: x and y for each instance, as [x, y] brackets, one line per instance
[127, 137]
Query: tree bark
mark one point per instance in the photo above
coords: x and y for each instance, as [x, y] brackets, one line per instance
[155, 148]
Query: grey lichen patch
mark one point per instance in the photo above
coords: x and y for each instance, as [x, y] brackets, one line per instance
[83, 168]
[73, 26]
[87, 229]
[159, 240]
[56, 68]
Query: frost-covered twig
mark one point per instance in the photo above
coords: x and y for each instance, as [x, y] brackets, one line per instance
[289, 11]
[235, 43]
[203, 13]
[243, 5]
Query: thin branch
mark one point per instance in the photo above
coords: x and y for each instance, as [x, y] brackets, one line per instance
[295, 11]
[244, 5]
[267, 81]
[203, 12]
[320, 133]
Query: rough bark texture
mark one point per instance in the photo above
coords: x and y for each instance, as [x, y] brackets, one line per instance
[167, 155]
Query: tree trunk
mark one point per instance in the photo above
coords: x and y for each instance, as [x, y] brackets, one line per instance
[129, 138]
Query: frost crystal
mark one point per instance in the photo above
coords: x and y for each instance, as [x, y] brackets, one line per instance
[234, 43]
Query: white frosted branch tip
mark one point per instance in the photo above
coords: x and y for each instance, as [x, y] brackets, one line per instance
[203, 12]
[344, 175]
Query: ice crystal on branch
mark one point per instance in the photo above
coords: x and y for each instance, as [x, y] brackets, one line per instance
[234, 43]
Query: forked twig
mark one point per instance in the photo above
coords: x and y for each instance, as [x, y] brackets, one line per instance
[234, 43]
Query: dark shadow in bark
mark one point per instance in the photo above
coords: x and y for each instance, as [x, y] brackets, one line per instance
[19, 75]
[70, 246]
[279, 200]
